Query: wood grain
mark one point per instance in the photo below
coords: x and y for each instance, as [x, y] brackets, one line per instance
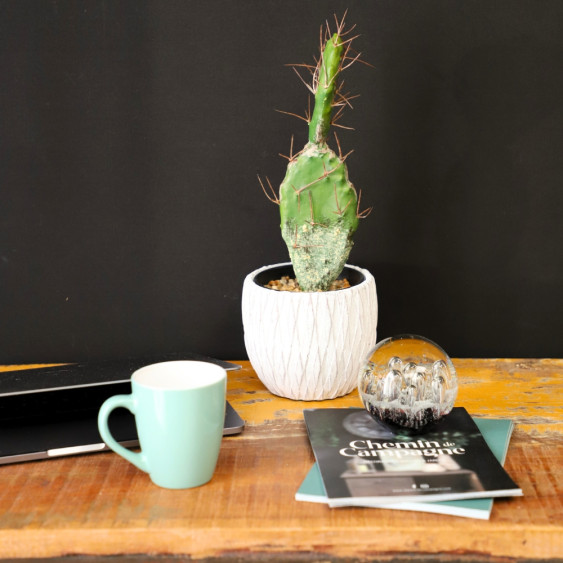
[101, 505]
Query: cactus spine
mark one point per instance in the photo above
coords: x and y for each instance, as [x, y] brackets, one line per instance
[318, 204]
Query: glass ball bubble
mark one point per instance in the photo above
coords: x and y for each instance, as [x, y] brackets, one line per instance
[408, 381]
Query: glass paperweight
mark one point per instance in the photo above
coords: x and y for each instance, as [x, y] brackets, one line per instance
[408, 381]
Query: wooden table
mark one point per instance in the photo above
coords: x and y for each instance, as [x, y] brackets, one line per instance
[101, 505]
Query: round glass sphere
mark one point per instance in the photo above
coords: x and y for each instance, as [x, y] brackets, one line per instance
[408, 381]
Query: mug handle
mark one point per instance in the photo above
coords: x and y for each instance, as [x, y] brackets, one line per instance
[126, 401]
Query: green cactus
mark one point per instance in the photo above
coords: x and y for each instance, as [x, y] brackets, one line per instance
[318, 204]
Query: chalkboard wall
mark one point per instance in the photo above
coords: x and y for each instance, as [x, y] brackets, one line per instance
[132, 133]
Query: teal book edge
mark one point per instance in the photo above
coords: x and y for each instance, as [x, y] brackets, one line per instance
[497, 433]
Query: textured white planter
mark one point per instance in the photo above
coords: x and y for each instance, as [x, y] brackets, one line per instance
[309, 346]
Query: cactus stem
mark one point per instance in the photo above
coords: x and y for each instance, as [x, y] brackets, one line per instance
[319, 238]
[298, 197]
[339, 211]
[324, 175]
[296, 245]
[312, 222]
[273, 198]
[327, 83]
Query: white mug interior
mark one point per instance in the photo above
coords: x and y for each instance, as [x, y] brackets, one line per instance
[179, 375]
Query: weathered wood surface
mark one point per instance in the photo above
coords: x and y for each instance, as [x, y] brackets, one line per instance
[101, 505]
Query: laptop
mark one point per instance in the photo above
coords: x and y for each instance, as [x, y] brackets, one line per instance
[50, 412]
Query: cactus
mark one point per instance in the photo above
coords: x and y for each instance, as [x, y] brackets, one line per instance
[318, 204]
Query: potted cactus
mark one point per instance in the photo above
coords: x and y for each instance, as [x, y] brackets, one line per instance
[310, 344]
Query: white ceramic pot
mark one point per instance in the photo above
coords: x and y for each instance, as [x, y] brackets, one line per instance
[309, 345]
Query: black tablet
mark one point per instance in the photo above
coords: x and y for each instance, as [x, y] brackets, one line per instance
[53, 411]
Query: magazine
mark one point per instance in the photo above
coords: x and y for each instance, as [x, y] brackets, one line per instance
[362, 461]
[497, 433]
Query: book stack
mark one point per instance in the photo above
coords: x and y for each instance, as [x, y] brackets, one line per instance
[453, 467]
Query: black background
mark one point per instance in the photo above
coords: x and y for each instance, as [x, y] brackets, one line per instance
[132, 132]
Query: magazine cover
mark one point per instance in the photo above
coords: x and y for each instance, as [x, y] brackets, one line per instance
[362, 461]
[496, 431]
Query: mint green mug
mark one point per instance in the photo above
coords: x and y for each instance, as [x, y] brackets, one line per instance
[179, 409]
